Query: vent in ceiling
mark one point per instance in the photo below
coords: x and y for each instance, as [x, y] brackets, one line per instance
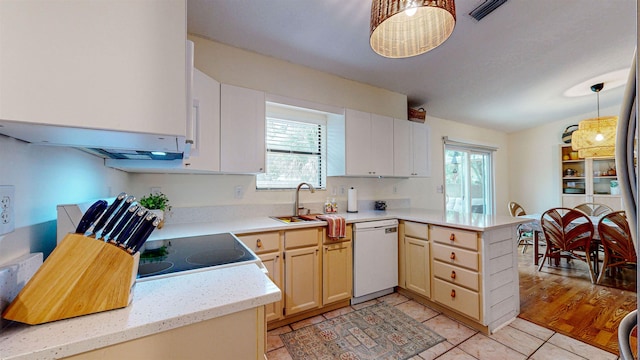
[486, 8]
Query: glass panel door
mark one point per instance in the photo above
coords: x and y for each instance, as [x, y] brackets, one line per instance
[468, 187]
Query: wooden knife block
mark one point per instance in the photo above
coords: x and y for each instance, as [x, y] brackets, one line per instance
[81, 276]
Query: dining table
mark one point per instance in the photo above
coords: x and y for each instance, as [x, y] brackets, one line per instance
[538, 234]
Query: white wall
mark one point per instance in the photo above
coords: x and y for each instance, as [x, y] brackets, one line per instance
[535, 163]
[45, 176]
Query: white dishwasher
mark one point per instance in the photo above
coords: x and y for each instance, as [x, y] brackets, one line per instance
[375, 259]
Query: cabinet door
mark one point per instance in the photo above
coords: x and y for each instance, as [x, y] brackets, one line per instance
[421, 161]
[402, 158]
[612, 201]
[411, 148]
[273, 264]
[242, 130]
[302, 280]
[116, 65]
[337, 272]
[204, 125]
[358, 143]
[381, 154]
[417, 266]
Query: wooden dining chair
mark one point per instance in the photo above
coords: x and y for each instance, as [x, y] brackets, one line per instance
[524, 231]
[615, 237]
[594, 209]
[568, 233]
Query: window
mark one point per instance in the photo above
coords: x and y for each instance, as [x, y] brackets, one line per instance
[296, 148]
[468, 174]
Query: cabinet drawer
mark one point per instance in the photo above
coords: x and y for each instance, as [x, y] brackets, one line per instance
[456, 237]
[301, 237]
[456, 275]
[416, 230]
[456, 256]
[462, 300]
[348, 236]
[261, 242]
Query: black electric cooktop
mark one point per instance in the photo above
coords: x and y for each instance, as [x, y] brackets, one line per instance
[162, 258]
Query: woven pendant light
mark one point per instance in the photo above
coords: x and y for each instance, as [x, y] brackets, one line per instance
[405, 28]
[595, 137]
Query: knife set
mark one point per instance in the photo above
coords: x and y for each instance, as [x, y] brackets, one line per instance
[91, 270]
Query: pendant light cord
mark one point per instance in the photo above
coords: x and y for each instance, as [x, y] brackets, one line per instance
[596, 88]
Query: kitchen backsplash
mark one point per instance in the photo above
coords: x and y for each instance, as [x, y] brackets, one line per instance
[232, 212]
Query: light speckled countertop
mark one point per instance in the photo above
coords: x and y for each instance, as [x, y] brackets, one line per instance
[171, 302]
[157, 305]
[475, 222]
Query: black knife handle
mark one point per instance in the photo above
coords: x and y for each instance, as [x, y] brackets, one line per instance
[90, 215]
[146, 235]
[107, 214]
[128, 231]
[126, 218]
[116, 217]
[142, 234]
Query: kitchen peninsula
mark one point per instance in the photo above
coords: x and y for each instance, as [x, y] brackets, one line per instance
[185, 302]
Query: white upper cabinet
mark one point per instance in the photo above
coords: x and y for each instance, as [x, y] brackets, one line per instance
[242, 129]
[361, 145]
[110, 65]
[204, 126]
[411, 149]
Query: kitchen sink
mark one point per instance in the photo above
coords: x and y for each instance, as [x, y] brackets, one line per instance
[295, 219]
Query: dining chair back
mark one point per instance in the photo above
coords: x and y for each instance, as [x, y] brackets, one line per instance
[615, 237]
[568, 233]
[594, 209]
[516, 209]
[525, 231]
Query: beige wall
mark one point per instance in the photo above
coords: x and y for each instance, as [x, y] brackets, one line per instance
[239, 67]
[424, 191]
[535, 163]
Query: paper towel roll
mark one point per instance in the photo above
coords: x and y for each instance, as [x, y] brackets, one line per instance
[352, 201]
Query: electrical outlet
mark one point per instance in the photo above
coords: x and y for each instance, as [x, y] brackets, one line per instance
[237, 192]
[395, 189]
[7, 203]
[342, 192]
[156, 190]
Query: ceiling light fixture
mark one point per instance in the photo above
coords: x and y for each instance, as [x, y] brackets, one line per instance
[595, 137]
[405, 28]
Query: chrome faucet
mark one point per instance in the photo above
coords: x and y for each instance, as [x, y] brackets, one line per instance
[297, 202]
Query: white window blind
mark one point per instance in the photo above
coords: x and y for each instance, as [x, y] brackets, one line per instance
[296, 152]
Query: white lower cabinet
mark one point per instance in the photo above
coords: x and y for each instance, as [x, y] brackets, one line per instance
[303, 287]
[267, 247]
[456, 251]
[416, 258]
[471, 275]
[312, 271]
[337, 269]
[239, 335]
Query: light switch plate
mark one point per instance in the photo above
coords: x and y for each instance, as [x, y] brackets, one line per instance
[7, 203]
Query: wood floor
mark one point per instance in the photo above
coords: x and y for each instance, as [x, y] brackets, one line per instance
[563, 299]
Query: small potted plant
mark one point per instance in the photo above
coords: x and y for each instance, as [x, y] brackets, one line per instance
[157, 203]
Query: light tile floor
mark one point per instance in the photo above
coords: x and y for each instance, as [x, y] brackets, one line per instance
[519, 340]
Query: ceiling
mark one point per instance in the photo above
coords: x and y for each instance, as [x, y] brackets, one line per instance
[508, 71]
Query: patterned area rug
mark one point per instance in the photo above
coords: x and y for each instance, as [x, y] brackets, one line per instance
[376, 332]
